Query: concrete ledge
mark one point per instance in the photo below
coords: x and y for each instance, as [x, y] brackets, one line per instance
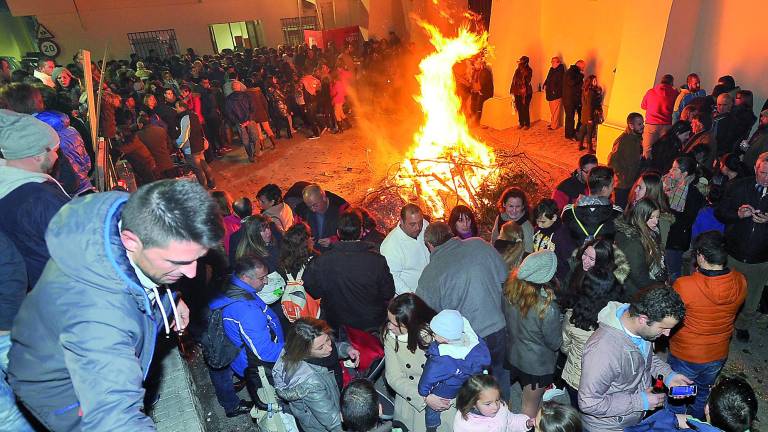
[178, 408]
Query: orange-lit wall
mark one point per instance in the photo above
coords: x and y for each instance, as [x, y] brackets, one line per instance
[109, 22]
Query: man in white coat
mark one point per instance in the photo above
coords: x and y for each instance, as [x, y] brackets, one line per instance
[404, 249]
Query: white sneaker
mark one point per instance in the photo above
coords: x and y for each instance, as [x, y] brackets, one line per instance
[552, 392]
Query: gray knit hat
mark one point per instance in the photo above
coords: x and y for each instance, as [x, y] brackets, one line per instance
[23, 136]
[538, 267]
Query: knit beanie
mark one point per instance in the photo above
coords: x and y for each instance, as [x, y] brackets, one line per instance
[23, 136]
[538, 267]
[448, 324]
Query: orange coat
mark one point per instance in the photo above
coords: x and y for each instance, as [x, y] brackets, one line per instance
[711, 305]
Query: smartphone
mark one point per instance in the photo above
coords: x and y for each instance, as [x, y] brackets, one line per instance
[683, 391]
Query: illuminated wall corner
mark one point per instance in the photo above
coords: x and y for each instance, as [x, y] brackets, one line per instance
[642, 40]
[514, 32]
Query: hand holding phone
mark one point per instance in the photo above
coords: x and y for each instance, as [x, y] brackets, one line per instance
[680, 392]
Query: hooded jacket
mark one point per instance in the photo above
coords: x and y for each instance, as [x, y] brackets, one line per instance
[615, 374]
[28, 201]
[659, 103]
[71, 144]
[712, 299]
[641, 274]
[449, 365]
[96, 352]
[590, 216]
[250, 323]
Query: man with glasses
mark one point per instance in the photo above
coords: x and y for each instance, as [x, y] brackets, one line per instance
[248, 323]
[29, 197]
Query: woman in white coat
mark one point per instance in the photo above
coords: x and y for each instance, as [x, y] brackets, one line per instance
[406, 338]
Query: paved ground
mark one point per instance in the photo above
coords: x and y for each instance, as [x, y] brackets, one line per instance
[356, 161]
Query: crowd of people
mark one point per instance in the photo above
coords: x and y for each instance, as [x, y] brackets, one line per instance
[301, 289]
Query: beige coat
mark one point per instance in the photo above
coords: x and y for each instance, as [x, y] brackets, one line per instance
[574, 340]
[403, 371]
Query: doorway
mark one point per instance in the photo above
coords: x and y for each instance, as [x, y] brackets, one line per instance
[237, 35]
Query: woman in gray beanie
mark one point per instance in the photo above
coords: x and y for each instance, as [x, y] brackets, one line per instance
[533, 326]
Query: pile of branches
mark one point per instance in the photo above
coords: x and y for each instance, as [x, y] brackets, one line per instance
[512, 168]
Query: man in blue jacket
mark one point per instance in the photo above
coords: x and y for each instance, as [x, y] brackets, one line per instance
[249, 323]
[83, 339]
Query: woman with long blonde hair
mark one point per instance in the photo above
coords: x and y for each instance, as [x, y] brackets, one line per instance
[533, 326]
[510, 244]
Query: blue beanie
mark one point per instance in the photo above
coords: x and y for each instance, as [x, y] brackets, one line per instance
[448, 324]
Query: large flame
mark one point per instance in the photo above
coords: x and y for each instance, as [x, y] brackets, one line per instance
[446, 164]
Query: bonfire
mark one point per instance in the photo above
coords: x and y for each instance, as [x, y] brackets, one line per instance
[445, 165]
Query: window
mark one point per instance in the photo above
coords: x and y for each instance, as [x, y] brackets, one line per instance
[237, 35]
[293, 31]
[162, 43]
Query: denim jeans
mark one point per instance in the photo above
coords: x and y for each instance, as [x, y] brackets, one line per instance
[497, 345]
[703, 375]
[674, 260]
[10, 417]
[224, 388]
[249, 135]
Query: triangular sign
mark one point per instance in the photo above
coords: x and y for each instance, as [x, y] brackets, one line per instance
[43, 33]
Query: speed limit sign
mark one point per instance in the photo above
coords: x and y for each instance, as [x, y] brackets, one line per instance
[49, 48]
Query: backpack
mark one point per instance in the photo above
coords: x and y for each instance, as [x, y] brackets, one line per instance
[218, 350]
[296, 302]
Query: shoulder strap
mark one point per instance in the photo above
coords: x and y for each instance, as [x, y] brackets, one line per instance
[581, 226]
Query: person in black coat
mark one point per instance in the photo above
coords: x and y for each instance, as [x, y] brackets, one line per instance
[523, 92]
[353, 281]
[320, 210]
[667, 148]
[685, 202]
[572, 83]
[553, 86]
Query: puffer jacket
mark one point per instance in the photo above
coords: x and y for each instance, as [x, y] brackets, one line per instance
[449, 365]
[532, 342]
[615, 373]
[712, 299]
[250, 323]
[72, 146]
[96, 353]
[574, 340]
[641, 274]
[590, 216]
[312, 393]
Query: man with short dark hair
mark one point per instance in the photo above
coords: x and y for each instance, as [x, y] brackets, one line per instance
[625, 157]
[44, 71]
[320, 210]
[404, 249]
[658, 103]
[467, 276]
[712, 296]
[360, 408]
[744, 211]
[690, 91]
[575, 184]
[353, 280]
[553, 86]
[592, 215]
[109, 253]
[248, 323]
[618, 362]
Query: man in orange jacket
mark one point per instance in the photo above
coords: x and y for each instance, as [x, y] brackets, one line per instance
[712, 297]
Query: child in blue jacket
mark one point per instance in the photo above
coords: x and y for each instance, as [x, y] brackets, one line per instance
[455, 354]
